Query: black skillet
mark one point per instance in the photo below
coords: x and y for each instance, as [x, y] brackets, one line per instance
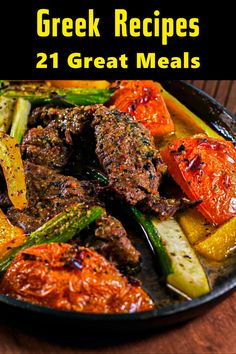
[224, 123]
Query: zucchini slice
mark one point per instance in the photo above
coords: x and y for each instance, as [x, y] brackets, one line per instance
[20, 119]
[6, 112]
[154, 240]
[188, 276]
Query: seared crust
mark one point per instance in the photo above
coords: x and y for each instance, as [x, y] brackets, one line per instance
[50, 144]
[112, 241]
[126, 151]
[133, 164]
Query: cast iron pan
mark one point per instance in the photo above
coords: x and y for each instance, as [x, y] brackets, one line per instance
[173, 311]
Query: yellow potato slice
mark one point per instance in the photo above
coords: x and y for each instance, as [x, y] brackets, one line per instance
[194, 225]
[218, 245]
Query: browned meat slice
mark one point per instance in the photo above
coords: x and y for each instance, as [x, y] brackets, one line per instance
[50, 144]
[69, 121]
[49, 192]
[112, 241]
[43, 115]
[69, 278]
[164, 207]
[126, 151]
[44, 146]
[134, 166]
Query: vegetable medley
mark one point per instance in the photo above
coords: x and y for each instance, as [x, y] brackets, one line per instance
[82, 162]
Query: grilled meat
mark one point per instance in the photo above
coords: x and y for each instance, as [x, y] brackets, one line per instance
[111, 241]
[44, 146]
[50, 144]
[125, 149]
[134, 166]
[69, 278]
[49, 193]
[69, 121]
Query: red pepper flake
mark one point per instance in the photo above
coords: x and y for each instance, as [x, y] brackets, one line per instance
[195, 162]
[153, 191]
[122, 167]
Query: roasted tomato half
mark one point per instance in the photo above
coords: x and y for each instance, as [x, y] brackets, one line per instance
[143, 100]
[66, 277]
[205, 169]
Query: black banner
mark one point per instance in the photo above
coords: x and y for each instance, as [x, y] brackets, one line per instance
[88, 39]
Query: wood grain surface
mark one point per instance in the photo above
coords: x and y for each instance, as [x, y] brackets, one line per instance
[213, 332]
[224, 91]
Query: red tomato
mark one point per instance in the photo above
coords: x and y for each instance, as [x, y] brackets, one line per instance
[69, 278]
[143, 100]
[205, 169]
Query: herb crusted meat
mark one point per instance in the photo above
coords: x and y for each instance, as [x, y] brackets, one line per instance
[111, 241]
[134, 166]
[49, 193]
[125, 150]
[50, 143]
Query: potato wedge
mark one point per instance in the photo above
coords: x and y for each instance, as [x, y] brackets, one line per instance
[217, 246]
[194, 225]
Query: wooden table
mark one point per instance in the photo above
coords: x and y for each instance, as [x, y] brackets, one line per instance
[224, 91]
[214, 332]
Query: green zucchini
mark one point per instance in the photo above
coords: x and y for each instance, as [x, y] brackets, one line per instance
[43, 94]
[6, 113]
[20, 119]
[61, 228]
[154, 240]
[188, 276]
